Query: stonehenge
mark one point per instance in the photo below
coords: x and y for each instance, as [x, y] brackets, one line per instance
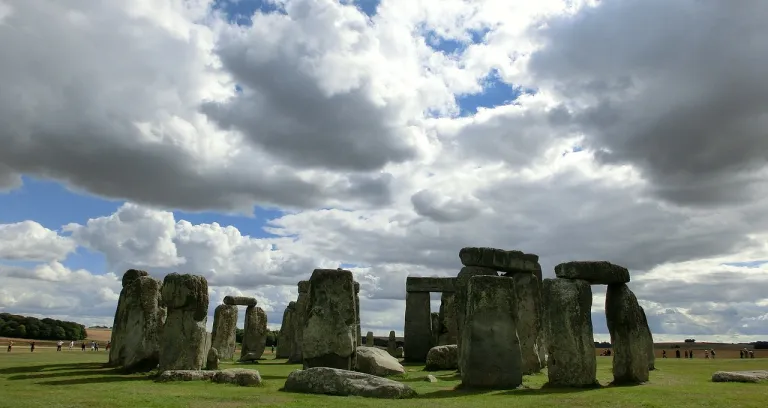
[254, 334]
[298, 320]
[224, 329]
[182, 343]
[285, 338]
[418, 330]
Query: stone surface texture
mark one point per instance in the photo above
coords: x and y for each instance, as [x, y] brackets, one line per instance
[436, 328]
[212, 361]
[238, 376]
[429, 284]
[329, 338]
[285, 336]
[375, 361]
[628, 329]
[392, 343]
[184, 375]
[358, 334]
[333, 381]
[299, 317]
[139, 319]
[183, 339]
[369, 339]
[448, 326]
[528, 302]
[755, 376]
[239, 301]
[498, 259]
[568, 326]
[462, 285]
[417, 331]
[594, 272]
[491, 350]
[254, 334]
[224, 331]
[443, 358]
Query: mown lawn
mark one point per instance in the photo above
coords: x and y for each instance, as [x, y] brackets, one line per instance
[75, 379]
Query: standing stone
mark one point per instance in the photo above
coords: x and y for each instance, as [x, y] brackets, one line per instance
[182, 344]
[285, 337]
[648, 341]
[568, 325]
[224, 331]
[299, 318]
[448, 329]
[542, 331]
[491, 357]
[392, 343]
[462, 285]
[329, 330]
[418, 326]
[138, 323]
[628, 328]
[358, 336]
[369, 339]
[528, 302]
[436, 328]
[212, 362]
[254, 334]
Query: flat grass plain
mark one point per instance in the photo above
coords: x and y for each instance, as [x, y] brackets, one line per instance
[51, 379]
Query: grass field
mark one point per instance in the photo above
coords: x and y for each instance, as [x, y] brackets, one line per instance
[77, 379]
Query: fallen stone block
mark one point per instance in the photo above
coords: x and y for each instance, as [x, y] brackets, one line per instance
[185, 375]
[376, 361]
[334, 381]
[499, 259]
[239, 376]
[740, 376]
[443, 358]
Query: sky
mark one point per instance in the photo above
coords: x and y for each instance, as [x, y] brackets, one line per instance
[253, 141]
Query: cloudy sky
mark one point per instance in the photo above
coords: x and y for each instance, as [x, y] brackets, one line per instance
[252, 141]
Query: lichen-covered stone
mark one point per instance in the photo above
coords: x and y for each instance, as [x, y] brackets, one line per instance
[238, 376]
[183, 340]
[447, 317]
[212, 362]
[629, 335]
[240, 301]
[528, 302]
[399, 352]
[333, 381]
[254, 334]
[299, 318]
[138, 323]
[329, 330]
[285, 337]
[498, 259]
[594, 272]
[392, 343]
[369, 339]
[417, 331]
[131, 275]
[358, 334]
[568, 326]
[443, 358]
[224, 331]
[375, 361]
[436, 328]
[491, 350]
[462, 285]
[184, 375]
[754, 376]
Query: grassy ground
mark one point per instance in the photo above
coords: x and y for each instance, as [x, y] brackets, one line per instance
[76, 379]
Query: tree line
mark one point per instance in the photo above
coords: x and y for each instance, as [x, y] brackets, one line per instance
[26, 327]
[271, 337]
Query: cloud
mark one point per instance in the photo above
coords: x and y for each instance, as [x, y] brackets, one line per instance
[30, 241]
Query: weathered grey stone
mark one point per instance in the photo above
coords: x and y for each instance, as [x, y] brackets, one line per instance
[182, 343]
[568, 325]
[528, 301]
[594, 272]
[333, 381]
[239, 301]
[254, 334]
[184, 375]
[755, 376]
[542, 331]
[417, 332]
[138, 323]
[627, 326]
[648, 337]
[285, 336]
[224, 331]
[430, 378]
[212, 362]
[491, 356]
[429, 284]
[299, 318]
[399, 352]
[369, 339]
[392, 343]
[448, 329]
[329, 331]
[375, 361]
[238, 376]
[358, 336]
[436, 328]
[460, 297]
[443, 358]
[498, 259]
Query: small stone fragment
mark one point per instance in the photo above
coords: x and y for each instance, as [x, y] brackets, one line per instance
[334, 381]
[240, 301]
[755, 376]
[375, 361]
[498, 259]
[212, 363]
[430, 378]
[239, 376]
[443, 358]
[594, 272]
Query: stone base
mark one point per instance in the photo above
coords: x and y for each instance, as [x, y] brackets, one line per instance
[331, 361]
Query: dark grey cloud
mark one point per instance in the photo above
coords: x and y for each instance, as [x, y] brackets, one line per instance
[676, 89]
[430, 204]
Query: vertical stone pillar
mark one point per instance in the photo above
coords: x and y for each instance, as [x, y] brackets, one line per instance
[369, 339]
[629, 335]
[418, 326]
[570, 342]
[329, 338]
[298, 321]
[224, 331]
[448, 328]
[285, 337]
[462, 285]
[182, 344]
[491, 357]
[254, 334]
[120, 323]
[392, 344]
[436, 328]
[528, 302]
[359, 336]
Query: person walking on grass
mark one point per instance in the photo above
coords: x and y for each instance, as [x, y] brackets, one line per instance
[58, 345]
[713, 353]
[32, 347]
[10, 345]
[82, 346]
[71, 344]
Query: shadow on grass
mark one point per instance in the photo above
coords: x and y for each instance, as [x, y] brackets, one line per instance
[92, 380]
[50, 367]
[458, 392]
[62, 373]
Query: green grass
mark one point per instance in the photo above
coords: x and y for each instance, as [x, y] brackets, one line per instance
[76, 379]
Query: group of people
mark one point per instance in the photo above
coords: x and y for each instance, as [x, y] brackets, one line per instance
[59, 344]
[746, 353]
[689, 353]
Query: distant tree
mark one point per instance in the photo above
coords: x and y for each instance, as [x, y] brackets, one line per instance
[760, 345]
[21, 331]
[40, 329]
[690, 340]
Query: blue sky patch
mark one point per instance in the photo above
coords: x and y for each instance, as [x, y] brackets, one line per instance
[495, 93]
